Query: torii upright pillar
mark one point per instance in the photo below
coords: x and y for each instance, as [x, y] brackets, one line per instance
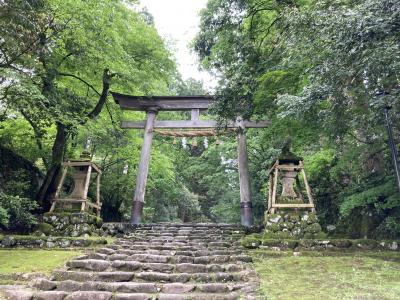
[143, 170]
[246, 214]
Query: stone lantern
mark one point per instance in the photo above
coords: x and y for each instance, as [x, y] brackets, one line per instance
[290, 214]
[81, 171]
[285, 172]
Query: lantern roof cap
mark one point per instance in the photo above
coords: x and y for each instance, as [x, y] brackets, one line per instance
[287, 156]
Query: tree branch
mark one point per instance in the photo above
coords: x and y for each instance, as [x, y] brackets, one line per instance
[81, 80]
[107, 76]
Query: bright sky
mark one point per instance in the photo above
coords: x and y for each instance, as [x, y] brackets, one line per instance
[178, 21]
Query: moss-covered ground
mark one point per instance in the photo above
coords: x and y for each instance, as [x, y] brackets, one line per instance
[29, 261]
[328, 275]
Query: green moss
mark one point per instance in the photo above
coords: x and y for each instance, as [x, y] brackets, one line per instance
[27, 261]
[46, 228]
[287, 225]
[303, 224]
[90, 241]
[307, 243]
[269, 217]
[293, 217]
[251, 241]
[320, 235]
[98, 221]
[290, 244]
[328, 275]
[274, 227]
[365, 244]
[342, 243]
[271, 242]
[313, 228]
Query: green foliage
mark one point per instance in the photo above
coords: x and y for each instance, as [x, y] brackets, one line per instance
[18, 211]
[4, 218]
[314, 68]
[383, 196]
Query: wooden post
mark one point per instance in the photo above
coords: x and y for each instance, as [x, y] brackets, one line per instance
[270, 185]
[143, 170]
[246, 214]
[86, 190]
[195, 114]
[274, 190]
[310, 198]
[98, 194]
[59, 187]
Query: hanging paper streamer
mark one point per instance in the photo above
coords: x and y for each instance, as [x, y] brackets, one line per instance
[184, 145]
[205, 143]
[194, 142]
[125, 170]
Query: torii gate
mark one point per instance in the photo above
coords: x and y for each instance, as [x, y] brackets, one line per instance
[152, 105]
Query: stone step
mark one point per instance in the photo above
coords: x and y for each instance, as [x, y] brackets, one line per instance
[185, 232]
[145, 257]
[103, 295]
[162, 247]
[121, 276]
[173, 243]
[197, 234]
[183, 241]
[158, 262]
[123, 254]
[124, 265]
[178, 238]
[140, 287]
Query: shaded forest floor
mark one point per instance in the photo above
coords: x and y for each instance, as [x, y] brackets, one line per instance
[328, 275]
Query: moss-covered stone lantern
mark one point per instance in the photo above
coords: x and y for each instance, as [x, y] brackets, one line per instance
[284, 177]
[81, 171]
[290, 208]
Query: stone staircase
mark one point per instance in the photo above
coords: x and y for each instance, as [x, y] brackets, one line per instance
[156, 261]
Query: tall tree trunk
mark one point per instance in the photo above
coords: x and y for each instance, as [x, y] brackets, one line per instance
[52, 178]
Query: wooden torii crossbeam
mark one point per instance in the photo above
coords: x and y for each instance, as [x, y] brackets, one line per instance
[152, 105]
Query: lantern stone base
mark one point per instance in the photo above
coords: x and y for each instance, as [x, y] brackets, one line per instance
[69, 224]
[290, 224]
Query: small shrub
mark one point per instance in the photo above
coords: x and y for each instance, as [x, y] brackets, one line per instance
[18, 210]
[3, 217]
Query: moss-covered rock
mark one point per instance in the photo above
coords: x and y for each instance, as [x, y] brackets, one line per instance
[274, 227]
[300, 224]
[313, 228]
[342, 243]
[365, 244]
[251, 241]
[271, 242]
[286, 225]
[45, 228]
[273, 218]
[312, 218]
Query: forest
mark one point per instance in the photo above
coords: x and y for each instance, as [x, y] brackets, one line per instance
[322, 71]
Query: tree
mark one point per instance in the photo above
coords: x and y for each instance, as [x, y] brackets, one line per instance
[315, 67]
[58, 71]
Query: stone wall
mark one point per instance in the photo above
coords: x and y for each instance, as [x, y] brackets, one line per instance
[69, 224]
[254, 241]
[18, 241]
[290, 224]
